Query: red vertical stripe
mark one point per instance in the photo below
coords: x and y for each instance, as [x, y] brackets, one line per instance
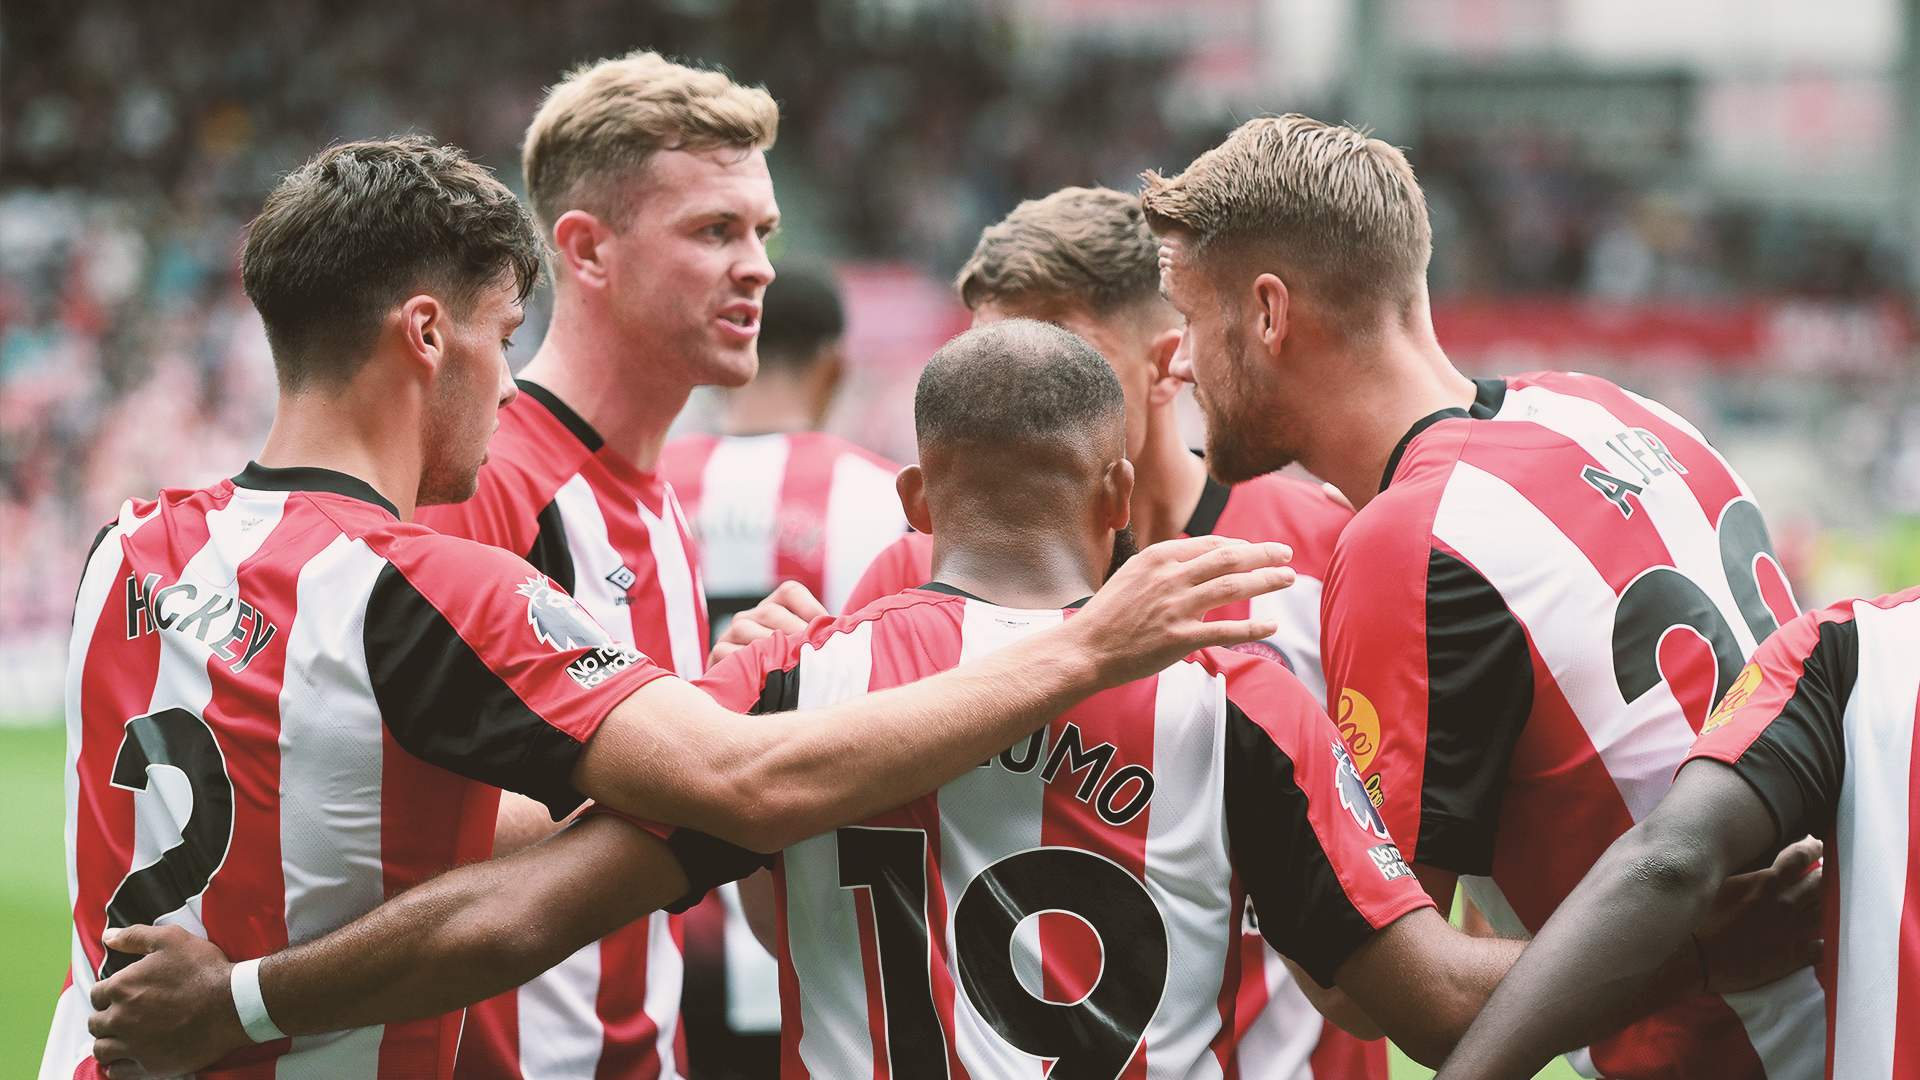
[791, 1025]
[801, 546]
[630, 1051]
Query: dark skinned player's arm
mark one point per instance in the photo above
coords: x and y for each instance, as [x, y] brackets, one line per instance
[1631, 911]
[1423, 983]
[447, 943]
[669, 753]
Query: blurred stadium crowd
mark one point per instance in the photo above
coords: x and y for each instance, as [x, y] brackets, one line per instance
[137, 139]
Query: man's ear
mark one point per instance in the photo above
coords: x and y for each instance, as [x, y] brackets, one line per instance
[1272, 304]
[1166, 386]
[911, 483]
[1116, 495]
[423, 332]
[578, 239]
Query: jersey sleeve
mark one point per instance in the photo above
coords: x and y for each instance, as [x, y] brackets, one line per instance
[1779, 724]
[1430, 677]
[1306, 839]
[905, 564]
[482, 667]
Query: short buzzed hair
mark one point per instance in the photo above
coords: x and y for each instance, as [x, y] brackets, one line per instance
[350, 235]
[800, 314]
[599, 126]
[1342, 209]
[1014, 384]
[1086, 245]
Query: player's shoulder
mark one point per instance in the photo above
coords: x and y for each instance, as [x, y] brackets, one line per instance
[448, 562]
[685, 456]
[539, 440]
[1278, 507]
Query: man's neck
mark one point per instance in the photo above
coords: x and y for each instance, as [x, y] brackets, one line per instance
[774, 402]
[1360, 416]
[344, 431]
[1022, 568]
[630, 401]
[1168, 481]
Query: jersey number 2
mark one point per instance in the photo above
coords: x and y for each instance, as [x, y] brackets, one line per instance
[178, 740]
[1091, 1039]
[1664, 599]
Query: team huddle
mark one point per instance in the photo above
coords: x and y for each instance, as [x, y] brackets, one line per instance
[1062, 752]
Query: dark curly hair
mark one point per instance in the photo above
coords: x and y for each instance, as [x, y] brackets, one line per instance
[353, 233]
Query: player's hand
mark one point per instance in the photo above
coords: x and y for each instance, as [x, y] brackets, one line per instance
[168, 1013]
[790, 608]
[1151, 613]
[1765, 925]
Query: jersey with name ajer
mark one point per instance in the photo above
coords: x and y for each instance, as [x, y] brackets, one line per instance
[802, 506]
[284, 705]
[613, 536]
[1821, 724]
[1536, 614]
[1074, 903]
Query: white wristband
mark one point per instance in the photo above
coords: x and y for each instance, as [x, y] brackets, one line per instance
[251, 1006]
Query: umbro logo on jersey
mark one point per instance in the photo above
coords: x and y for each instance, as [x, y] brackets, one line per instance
[233, 628]
[558, 620]
[622, 578]
[1353, 793]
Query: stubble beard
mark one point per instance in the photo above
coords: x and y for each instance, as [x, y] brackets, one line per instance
[1245, 436]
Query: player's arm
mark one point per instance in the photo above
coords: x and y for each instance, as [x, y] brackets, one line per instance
[1630, 914]
[457, 939]
[670, 753]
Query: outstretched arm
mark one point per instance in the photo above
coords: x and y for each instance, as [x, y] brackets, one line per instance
[1633, 910]
[669, 753]
[460, 938]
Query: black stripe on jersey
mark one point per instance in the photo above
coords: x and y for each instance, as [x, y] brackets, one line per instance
[306, 478]
[1479, 692]
[1799, 759]
[1303, 910]
[562, 412]
[447, 707]
[550, 554]
[1213, 503]
[1488, 396]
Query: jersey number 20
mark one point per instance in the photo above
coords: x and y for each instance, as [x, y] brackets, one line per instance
[1090, 1039]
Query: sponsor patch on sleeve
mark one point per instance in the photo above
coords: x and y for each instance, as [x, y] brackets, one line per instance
[1387, 859]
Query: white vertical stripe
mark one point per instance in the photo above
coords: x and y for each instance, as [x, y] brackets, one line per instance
[1870, 829]
[1567, 609]
[1297, 609]
[68, 1043]
[986, 815]
[1786, 1021]
[673, 570]
[593, 559]
[863, 517]
[1188, 869]
[560, 1029]
[739, 521]
[331, 769]
[823, 936]
[666, 971]
[1279, 1043]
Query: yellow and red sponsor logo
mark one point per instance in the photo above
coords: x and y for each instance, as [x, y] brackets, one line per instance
[1359, 725]
[1743, 687]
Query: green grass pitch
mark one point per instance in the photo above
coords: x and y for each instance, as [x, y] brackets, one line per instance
[33, 903]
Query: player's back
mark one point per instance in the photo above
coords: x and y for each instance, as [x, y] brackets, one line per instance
[1075, 897]
[283, 704]
[802, 506]
[1537, 614]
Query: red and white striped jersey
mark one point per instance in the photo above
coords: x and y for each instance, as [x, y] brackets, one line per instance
[1074, 903]
[614, 537]
[1526, 628]
[284, 705]
[806, 507]
[1821, 724]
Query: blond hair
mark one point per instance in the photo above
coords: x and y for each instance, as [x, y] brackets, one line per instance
[1086, 245]
[1334, 206]
[604, 120]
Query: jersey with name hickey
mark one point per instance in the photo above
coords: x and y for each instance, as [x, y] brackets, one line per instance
[1821, 724]
[283, 705]
[1074, 903]
[802, 506]
[1534, 618]
[614, 537]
